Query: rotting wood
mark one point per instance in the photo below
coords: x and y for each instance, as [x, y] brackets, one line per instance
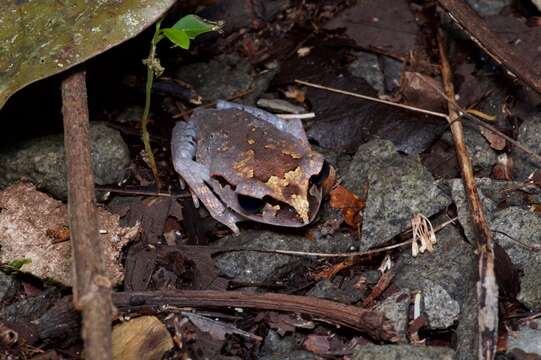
[369, 322]
[487, 290]
[476, 28]
[91, 289]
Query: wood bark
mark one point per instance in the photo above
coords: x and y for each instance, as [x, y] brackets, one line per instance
[91, 288]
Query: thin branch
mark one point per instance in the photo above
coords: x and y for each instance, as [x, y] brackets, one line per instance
[487, 290]
[91, 288]
[365, 97]
[372, 323]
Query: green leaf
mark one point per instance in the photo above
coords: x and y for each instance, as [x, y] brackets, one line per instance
[193, 25]
[17, 264]
[177, 37]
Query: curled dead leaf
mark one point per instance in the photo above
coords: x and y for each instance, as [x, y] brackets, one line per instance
[350, 204]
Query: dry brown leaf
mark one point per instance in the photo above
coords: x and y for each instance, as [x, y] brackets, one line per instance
[332, 270]
[422, 91]
[496, 141]
[145, 337]
[503, 170]
[350, 204]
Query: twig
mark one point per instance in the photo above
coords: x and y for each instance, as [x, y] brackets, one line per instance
[365, 97]
[499, 50]
[372, 323]
[487, 290]
[348, 254]
[91, 289]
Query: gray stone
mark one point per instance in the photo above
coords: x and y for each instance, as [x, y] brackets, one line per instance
[327, 289]
[402, 352]
[525, 227]
[441, 309]
[254, 266]
[42, 160]
[452, 265]
[9, 287]
[528, 135]
[30, 308]
[483, 157]
[224, 77]
[392, 70]
[395, 308]
[443, 276]
[366, 66]
[293, 355]
[488, 7]
[461, 202]
[527, 339]
[467, 329]
[398, 188]
[274, 344]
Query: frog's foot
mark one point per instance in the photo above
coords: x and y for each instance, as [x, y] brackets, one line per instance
[196, 176]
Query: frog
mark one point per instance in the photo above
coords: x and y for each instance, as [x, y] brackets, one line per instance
[244, 163]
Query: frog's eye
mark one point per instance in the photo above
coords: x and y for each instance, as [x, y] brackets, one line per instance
[323, 174]
[250, 204]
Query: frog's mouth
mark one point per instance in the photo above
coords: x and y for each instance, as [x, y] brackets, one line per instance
[269, 210]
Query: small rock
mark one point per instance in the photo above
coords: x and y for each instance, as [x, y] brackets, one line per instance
[254, 266]
[456, 277]
[467, 329]
[488, 7]
[527, 339]
[42, 160]
[366, 66]
[30, 308]
[9, 287]
[441, 309]
[279, 105]
[392, 70]
[396, 352]
[224, 77]
[395, 308]
[524, 227]
[461, 202]
[274, 344]
[528, 135]
[482, 155]
[398, 187]
[327, 289]
[145, 337]
[294, 355]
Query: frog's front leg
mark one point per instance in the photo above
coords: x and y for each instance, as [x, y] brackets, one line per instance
[196, 175]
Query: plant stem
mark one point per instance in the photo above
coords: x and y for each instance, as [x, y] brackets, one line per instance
[148, 92]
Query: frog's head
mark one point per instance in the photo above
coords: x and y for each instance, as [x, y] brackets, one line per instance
[291, 196]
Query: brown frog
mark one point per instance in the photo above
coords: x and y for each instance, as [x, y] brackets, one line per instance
[244, 163]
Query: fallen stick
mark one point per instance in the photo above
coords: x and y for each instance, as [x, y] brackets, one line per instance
[476, 28]
[487, 290]
[369, 322]
[91, 288]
